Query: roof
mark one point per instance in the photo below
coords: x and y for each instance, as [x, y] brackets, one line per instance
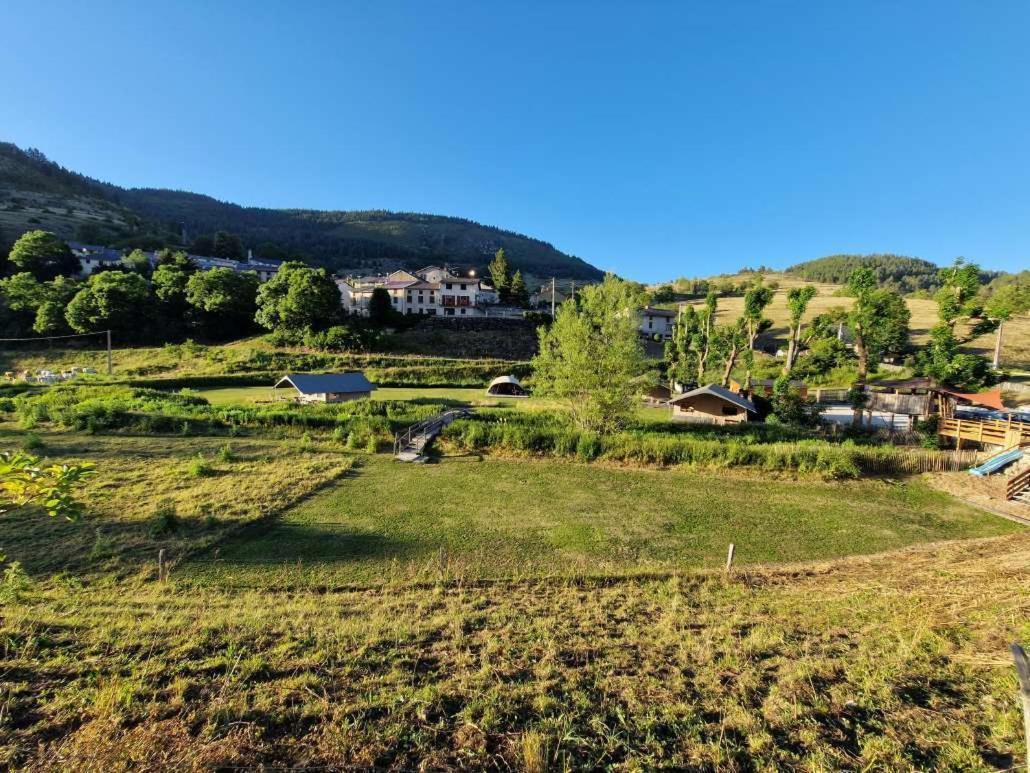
[988, 399]
[331, 383]
[718, 391]
[505, 380]
[657, 312]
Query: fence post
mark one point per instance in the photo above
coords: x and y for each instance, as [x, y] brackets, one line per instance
[729, 558]
[161, 565]
[1023, 673]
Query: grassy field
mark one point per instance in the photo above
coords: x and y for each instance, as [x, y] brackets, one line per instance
[1015, 354]
[896, 662]
[501, 518]
[177, 493]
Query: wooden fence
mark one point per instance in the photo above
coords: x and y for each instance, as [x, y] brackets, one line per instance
[903, 460]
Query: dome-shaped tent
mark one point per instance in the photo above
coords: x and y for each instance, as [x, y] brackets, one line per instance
[506, 386]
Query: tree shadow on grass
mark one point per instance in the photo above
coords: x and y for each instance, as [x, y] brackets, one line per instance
[289, 542]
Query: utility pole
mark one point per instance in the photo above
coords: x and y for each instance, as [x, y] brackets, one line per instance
[108, 352]
[552, 298]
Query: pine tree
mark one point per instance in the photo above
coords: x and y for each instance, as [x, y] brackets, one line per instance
[500, 274]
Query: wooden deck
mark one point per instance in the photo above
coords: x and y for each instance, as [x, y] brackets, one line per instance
[1003, 434]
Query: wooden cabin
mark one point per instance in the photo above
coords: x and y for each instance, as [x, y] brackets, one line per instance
[712, 404]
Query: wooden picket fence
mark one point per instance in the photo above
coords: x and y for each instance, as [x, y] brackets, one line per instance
[916, 460]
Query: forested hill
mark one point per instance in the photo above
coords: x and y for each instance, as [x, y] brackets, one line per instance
[38, 193]
[899, 272]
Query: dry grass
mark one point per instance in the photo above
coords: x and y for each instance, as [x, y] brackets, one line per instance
[1015, 354]
[894, 662]
[149, 494]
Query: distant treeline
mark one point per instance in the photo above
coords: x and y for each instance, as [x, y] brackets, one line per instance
[895, 272]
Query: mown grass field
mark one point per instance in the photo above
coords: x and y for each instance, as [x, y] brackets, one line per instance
[138, 478]
[501, 518]
[897, 662]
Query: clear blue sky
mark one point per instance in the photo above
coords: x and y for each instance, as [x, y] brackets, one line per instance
[654, 139]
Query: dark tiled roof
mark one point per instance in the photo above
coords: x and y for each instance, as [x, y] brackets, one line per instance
[658, 312]
[721, 392]
[332, 383]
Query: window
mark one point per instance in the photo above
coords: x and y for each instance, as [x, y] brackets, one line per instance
[450, 286]
[463, 311]
[728, 410]
[448, 312]
[409, 297]
[463, 287]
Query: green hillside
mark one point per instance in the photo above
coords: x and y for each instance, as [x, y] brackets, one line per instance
[899, 272]
[38, 193]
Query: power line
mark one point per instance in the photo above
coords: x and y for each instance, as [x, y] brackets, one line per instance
[73, 335]
[49, 338]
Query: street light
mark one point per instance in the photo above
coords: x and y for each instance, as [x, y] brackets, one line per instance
[472, 272]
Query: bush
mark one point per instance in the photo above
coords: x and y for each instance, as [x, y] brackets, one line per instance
[226, 454]
[199, 467]
[32, 442]
[165, 519]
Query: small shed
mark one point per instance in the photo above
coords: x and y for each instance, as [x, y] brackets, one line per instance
[506, 386]
[660, 394]
[328, 387]
[712, 404]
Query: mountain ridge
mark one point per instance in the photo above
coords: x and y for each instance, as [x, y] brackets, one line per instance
[36, 192]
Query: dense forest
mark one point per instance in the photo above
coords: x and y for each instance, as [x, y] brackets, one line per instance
[38, 193]
[895, 272]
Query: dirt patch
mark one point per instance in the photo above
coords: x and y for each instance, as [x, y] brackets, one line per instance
[988, 493]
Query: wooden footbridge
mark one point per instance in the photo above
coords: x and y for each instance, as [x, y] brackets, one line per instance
[410, 445]
[993, 432]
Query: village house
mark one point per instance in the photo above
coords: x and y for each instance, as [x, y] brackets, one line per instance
[327, 387]
[712, 404]
[432, 291]
[658, 322]
[92, 257]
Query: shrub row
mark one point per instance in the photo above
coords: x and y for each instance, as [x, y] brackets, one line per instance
[550, 435]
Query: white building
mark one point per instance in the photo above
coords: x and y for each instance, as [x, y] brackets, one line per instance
[92, 256]
[432, 291]
[656, 322]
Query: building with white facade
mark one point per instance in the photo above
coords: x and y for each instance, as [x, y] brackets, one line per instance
[432, 291]
[92, 256]
[657, 322]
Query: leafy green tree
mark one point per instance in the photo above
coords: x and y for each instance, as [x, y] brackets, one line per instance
[591, 356]
[957, 297]
[43, 255]
[798, 299]
[111, 300]
[878, 320]
[518, 294]
[1007, 302]
[729, 341]
[680, 357]
[227, 245]
[500, 273]
[137, 262]
[298, 298]
[663, 294]
[942, 360]
[380, 308]
[50, 319]
[757, 298]
[225, 301]
[26, 481]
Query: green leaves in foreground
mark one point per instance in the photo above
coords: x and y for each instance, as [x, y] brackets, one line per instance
[25, 481]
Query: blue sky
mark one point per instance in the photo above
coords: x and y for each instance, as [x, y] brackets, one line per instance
[653, 139]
